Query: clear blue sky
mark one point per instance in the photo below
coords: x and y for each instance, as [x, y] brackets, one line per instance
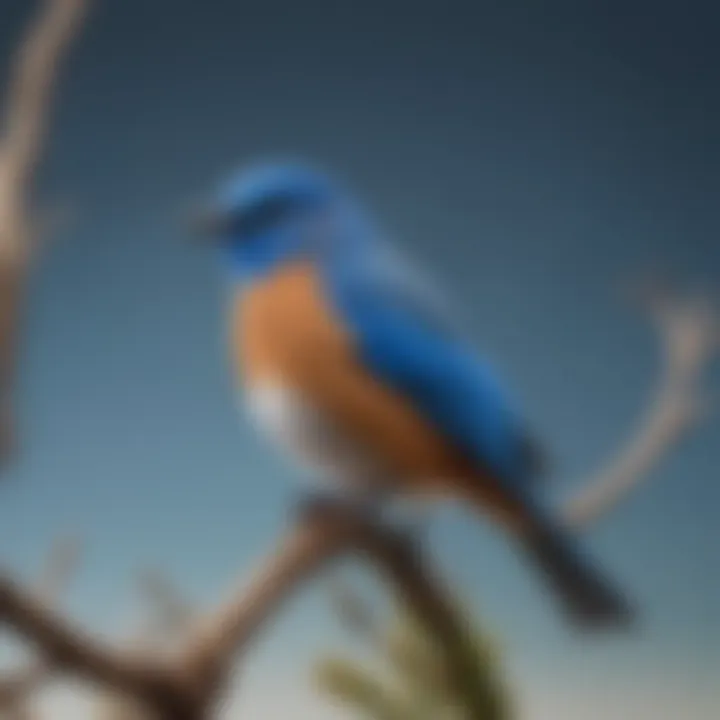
[535, 157]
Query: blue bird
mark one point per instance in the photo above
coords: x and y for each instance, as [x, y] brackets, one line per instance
[355, 366]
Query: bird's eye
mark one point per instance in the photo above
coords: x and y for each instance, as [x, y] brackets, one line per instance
[263, 216]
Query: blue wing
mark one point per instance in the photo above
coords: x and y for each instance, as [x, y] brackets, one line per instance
[407, 336]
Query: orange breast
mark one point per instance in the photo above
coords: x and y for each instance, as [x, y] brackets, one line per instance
[282, 328]
[283, 331]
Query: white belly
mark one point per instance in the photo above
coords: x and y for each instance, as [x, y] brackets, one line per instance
[310, 438]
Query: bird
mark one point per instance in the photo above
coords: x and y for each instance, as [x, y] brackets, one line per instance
[353, 363]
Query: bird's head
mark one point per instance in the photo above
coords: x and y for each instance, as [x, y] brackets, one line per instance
[269, 214]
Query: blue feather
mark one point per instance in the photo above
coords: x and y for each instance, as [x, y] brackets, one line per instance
[406, 337]
[406, 334]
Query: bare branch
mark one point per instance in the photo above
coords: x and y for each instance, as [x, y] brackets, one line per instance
[187, 686]
[17, 687]
[31, 88]
[327, 533]
[688, 329]
[301, 554]
[72, 651]
[33, 78]
[143, 637]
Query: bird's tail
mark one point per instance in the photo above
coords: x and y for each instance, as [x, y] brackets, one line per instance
[589, 599]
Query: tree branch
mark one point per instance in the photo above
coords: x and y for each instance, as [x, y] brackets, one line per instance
[689, 333]
[33, 77]
[187, 685]
[17, 687]
[72, 651]
[300, 555]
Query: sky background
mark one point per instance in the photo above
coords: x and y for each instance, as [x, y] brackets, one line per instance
[535, 156]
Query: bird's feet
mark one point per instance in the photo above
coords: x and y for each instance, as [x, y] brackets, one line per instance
[408, 519]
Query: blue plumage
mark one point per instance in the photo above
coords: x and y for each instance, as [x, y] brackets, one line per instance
[405, 333]
[407, 338]
[407, 343]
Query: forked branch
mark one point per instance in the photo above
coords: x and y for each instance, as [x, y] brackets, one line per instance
[17, 687]
[187, 686]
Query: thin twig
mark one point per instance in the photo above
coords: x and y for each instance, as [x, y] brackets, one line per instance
[688, 329]
[172, 615]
